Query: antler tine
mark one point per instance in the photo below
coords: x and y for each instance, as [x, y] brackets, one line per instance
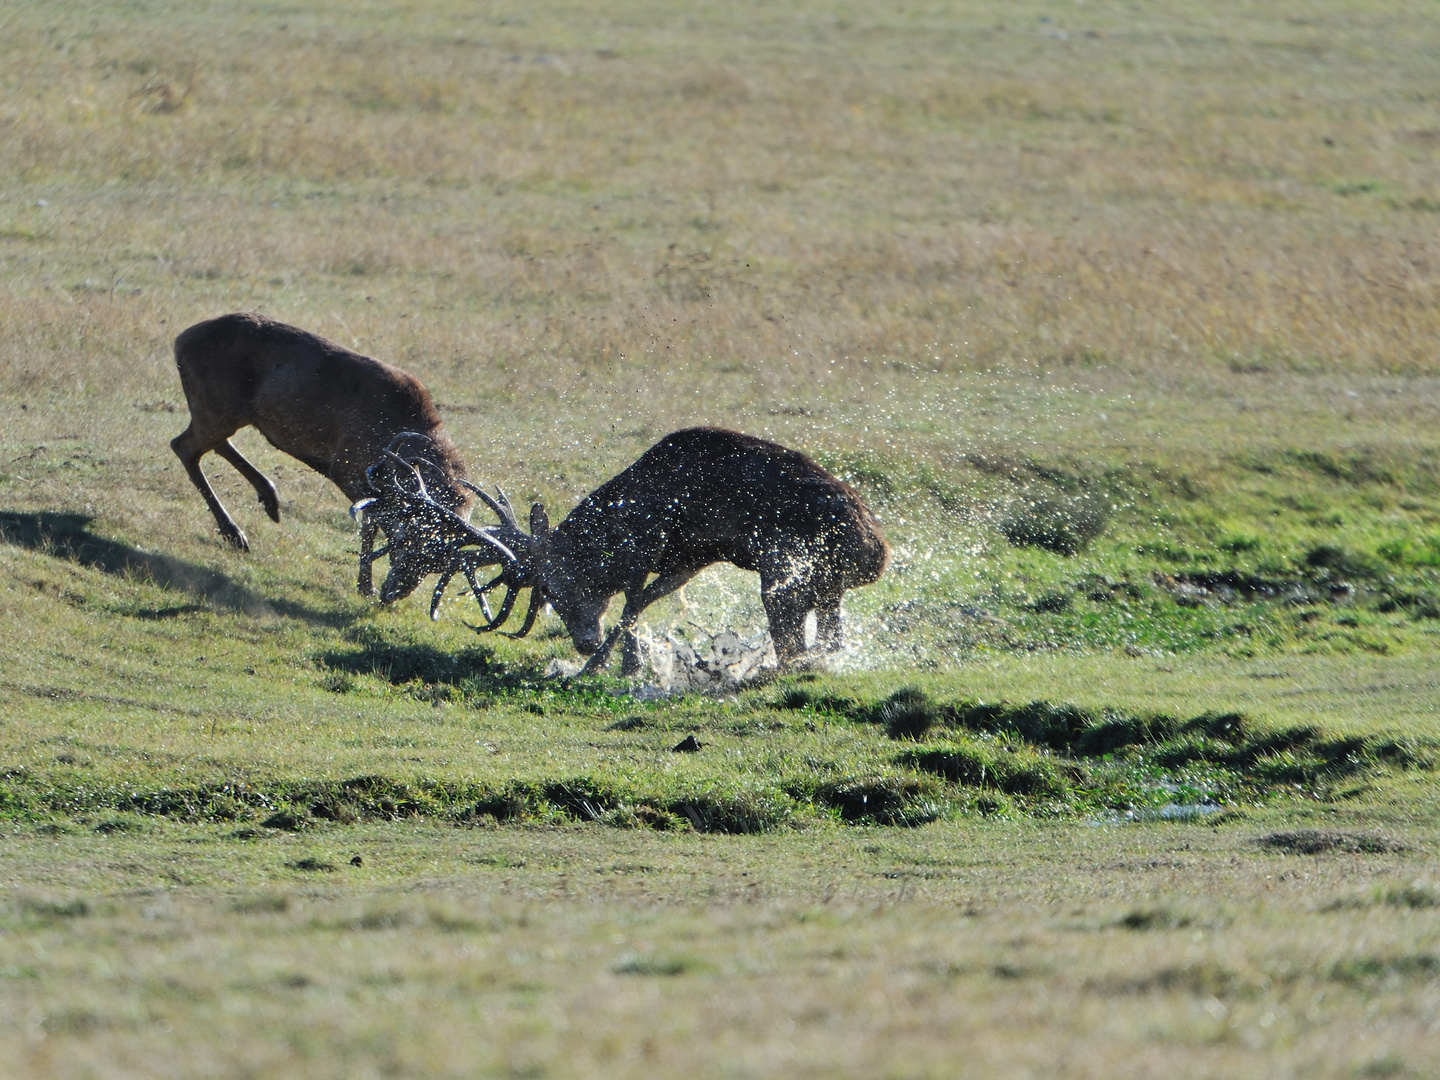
[499, 545]
[537, 601]
[501, 507]
[466, 561]
[469, 533]
[424, 491]
[507, 605]
[479, 591]
[459, 565]
[403, 436]
[417, 463]
[504, 502]
[439, 592]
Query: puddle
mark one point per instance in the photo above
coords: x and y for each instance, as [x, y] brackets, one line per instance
[1169, 812]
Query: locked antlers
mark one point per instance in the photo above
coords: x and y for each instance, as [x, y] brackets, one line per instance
[427, 537]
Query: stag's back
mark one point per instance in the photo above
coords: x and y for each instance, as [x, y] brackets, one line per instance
[725, 496]
[318, 401]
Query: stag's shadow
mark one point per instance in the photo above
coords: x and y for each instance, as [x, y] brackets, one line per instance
[67, 536]
[473, 670]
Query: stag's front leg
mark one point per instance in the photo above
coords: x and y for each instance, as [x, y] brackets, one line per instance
[660, 587]
[365, 583]
[624, 630]
[601, 656]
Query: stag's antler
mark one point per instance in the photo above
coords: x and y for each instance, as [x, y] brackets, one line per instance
[447, 543]
[443, 541]
[427, 534]
[515, 576]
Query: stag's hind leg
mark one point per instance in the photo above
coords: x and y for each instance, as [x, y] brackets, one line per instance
[264, 489]
[829, 637]
[189, 450]
[786, 607]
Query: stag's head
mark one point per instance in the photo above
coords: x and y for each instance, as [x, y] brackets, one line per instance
[414, 556]
[426, 536]
[571, 593]
[545, 561]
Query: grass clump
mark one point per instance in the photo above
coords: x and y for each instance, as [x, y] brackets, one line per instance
[49, 908]
[1062, 526]
[1415, 894]
[1155, 918]
[879, 800]
[908, 713]
[1368, 971]
[309, 864]
[1013, 770]
[663, 965]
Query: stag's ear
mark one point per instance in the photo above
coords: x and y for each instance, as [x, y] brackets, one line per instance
[539, 521]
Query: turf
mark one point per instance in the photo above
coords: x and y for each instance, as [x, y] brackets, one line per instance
[1122, 318]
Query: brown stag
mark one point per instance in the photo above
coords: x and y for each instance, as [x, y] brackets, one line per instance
[700, 496]
[323, 404]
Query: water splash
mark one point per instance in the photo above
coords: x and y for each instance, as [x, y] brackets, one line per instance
[707, 664]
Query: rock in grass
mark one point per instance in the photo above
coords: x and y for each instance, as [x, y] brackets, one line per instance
[687, 745]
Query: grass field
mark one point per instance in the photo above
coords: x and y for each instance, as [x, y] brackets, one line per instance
[1123, 317]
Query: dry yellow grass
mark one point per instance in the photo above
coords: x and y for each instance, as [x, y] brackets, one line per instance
[770, 196]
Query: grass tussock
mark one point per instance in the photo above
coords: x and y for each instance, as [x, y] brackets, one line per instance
[1324, 842]
[958, 758]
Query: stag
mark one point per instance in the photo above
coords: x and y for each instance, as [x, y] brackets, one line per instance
[697, 497]
[326, 406]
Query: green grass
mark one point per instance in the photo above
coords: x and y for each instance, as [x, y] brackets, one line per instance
[1123, 321]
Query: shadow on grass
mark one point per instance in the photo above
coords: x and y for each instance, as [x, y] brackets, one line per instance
[473, 670]
[67, 536]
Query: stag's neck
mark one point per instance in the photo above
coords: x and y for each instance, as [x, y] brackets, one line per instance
[615, 536]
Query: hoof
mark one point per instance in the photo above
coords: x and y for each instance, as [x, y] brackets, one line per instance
[237, 540]
[595, 664]
[270, 500]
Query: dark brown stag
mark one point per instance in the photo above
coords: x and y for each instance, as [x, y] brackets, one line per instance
[323, 404]
[701, 496]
